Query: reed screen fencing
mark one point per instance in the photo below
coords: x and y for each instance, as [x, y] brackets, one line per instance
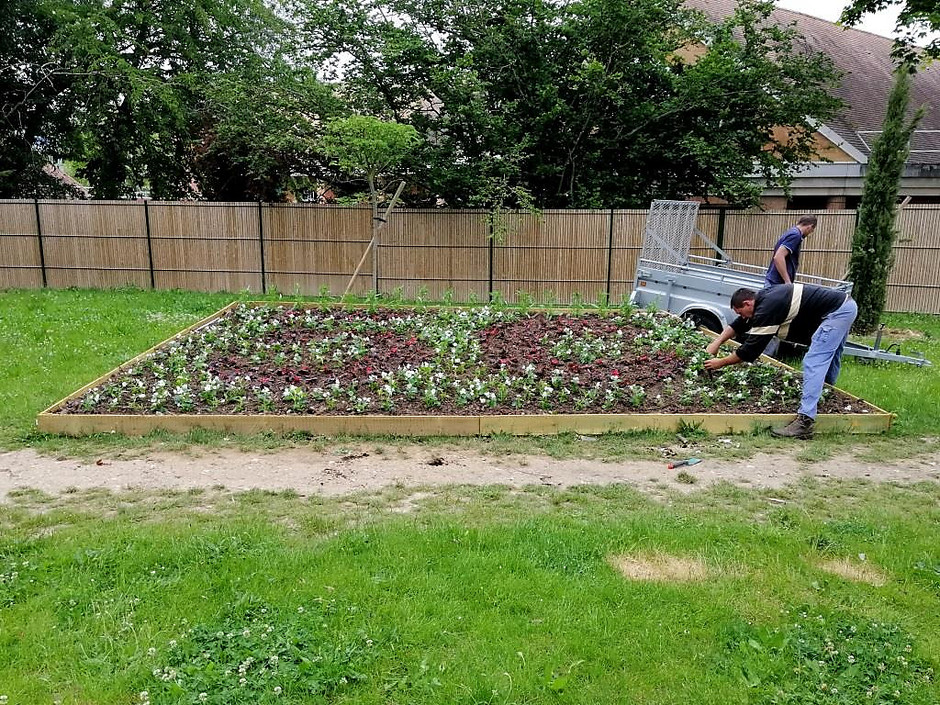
[556, 257]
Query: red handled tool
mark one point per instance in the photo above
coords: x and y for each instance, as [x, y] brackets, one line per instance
[680, 463]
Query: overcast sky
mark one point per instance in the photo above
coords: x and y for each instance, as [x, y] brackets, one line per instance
[880, 23]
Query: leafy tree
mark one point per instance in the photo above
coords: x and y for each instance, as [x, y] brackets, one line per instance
[33, 114]
[116, 84]
[581, 104]
[369, 148]
[727, 108]
[142, 64]
[917, 20]
[262, 134]
[874, 237]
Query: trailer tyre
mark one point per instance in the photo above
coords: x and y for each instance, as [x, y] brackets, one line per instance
[704, 319]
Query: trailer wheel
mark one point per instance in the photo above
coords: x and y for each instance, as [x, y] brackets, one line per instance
[704, 319]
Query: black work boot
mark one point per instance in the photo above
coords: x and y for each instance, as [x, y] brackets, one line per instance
[800, 427]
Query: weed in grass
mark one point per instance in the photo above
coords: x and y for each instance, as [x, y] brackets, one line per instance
[691, 429]
[686, 478]
[16, 575]
[263, 654]
[830, 659]
[784, 518]
[928, 572]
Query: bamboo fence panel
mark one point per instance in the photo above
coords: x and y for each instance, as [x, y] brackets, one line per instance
[100, 243]
[434, 253]
[708, 222]
[626, 243]
[749, 240]
[306, 249]
[20, 260]
[312, 248]
[553, 256]
[826, 252]
[205, 246]
[914, 281]
[750, 237]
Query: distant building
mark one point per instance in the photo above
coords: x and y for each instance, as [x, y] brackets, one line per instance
[846, 141]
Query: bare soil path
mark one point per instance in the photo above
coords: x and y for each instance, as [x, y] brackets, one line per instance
[364, 468]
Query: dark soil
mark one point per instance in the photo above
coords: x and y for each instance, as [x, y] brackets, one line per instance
[517, 346]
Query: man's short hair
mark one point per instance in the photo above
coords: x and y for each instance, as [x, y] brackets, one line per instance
[741, 295]
[807, 220]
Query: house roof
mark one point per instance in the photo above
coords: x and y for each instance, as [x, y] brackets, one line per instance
[865, 59]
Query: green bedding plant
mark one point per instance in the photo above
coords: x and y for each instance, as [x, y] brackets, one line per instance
[482, 360]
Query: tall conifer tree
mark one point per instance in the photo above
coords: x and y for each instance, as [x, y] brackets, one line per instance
[872, 256]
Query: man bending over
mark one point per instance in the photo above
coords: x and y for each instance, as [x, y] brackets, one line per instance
[800, 313]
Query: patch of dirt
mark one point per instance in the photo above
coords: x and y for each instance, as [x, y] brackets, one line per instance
[856, 571]
[410, 503]
[660, 567]
[316, 472]
[901, 334]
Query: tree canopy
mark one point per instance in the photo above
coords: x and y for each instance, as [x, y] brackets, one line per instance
[581, 103]
[873, 240]
[33, 114]
[918, 21]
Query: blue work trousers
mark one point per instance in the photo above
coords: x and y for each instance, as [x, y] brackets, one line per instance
[823, 360]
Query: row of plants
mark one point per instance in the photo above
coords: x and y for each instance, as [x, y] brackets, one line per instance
[487, 359]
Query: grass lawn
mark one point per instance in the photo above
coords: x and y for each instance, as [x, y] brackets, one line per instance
[822, 593]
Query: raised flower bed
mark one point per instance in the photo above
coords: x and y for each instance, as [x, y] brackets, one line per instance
[441, 370]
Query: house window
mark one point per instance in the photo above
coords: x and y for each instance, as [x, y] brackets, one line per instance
[808, 204]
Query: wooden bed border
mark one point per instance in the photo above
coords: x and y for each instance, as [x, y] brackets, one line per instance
[49, 421]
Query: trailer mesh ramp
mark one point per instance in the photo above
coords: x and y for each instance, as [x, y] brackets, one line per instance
[667, 237]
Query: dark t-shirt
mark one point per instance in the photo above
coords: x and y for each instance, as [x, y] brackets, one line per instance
[792, 239]
[771, 306]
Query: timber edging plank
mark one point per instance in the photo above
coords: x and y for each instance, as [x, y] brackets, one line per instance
[48, 421]
[516, 425]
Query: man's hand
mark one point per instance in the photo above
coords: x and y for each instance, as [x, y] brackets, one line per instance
[716, 363]
[727, 334]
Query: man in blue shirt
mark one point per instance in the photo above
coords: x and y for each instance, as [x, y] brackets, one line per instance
[786, 257]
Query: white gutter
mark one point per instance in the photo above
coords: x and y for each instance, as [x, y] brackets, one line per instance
[839, 142]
